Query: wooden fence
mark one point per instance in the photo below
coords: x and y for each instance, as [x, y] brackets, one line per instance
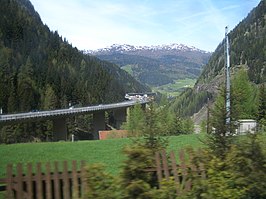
[71, 181]
[54, 184]
[182, 173]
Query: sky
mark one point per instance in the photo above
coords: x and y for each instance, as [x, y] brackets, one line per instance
[94, 24]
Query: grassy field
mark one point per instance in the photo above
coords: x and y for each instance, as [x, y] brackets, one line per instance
[128, 68]
[108, 152]
[175, 88]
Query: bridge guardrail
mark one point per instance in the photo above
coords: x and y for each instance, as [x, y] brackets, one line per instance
[60, 112]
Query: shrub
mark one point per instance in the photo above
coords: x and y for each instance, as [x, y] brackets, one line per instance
[138, 159]
[241, 173]
[101, 184]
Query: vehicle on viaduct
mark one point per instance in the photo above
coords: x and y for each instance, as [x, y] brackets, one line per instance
[59, 116]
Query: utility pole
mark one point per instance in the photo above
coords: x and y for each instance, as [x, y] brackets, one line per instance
[227, 83]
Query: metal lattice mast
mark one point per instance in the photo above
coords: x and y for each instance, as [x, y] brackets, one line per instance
[228, 84]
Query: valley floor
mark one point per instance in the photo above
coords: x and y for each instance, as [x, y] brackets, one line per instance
[174, 89]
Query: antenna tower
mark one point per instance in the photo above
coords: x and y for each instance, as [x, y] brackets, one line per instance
[227, 83]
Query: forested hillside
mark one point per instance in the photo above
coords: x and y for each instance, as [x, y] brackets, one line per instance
[157, 65]
[247, 50]
[41, 70]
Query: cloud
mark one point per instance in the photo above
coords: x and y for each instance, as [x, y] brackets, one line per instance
[90, 24]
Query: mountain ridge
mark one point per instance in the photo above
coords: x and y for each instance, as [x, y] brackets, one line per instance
[124, 48]
[156, 65]
[247, 50]
[37, 60]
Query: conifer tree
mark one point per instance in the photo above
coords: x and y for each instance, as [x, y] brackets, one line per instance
[135, 121]
[243, 97]
[153, 131]
[50, 99]
[242, 107]
[261, 116]
[26, 87]
[12, 98]
[219, 140]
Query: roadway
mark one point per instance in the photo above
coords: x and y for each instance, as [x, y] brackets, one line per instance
[19, 117]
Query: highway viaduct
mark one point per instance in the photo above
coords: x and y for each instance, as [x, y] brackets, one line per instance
[59, 117]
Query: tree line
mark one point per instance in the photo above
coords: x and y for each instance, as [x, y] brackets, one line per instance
[234, 165]
[40, 70]
[247, 50]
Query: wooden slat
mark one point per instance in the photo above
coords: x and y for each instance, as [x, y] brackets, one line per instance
[66, 181]
[183, 167]
[48, 181]
[165, 165]
[182, 163]
[15, 184]
[158, 168]
[194, 171]
[60, 176]
[39, 190]
[174, 169]
[19, 192]
[83, 180]
[188, 185]
[29, 181]
[75, 188]
[43, 176]
[2, 180]
[192, 165]
[202, 171]
[9, 181]
[56, 181]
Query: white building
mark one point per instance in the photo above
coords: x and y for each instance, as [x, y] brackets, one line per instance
[247, 125]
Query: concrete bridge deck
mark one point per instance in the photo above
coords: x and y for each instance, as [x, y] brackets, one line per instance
[19, 117]
[59, 116]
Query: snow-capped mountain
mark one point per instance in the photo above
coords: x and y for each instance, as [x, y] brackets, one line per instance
[126, 48]
[156, 65]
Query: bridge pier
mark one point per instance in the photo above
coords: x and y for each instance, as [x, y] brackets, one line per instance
[120, 116]
[98, 123]
[59, 129]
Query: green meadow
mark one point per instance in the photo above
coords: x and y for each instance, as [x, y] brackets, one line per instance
[107, 152]
[174, 89]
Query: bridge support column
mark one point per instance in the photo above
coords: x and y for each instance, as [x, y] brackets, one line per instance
[120, 116]
[98, 123]
[59, 129]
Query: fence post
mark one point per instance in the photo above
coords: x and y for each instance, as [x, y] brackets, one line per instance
[29, 181]
[48, 181]
[75, 188]
[56, 181]
[83, 180]
[193, 171]
[165, 165]
[174, 169]
[202, 171]
[158, 168]
[19, 180]
[9, 181]
[39, 181]
[65, 181]
[183, 167]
